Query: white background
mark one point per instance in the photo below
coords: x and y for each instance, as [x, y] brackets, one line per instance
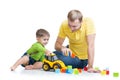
[19, 20]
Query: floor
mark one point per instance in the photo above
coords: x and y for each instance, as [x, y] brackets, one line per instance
[22, 74]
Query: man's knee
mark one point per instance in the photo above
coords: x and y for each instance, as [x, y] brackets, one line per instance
[58, 53]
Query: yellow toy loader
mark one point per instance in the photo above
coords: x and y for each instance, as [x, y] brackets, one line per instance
[52, 62]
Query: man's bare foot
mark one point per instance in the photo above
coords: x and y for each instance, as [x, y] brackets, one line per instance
[29, 67]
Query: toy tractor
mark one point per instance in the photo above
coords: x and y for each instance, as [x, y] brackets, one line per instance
[52, 62]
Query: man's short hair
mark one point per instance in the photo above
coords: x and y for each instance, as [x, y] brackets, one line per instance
[75, 14]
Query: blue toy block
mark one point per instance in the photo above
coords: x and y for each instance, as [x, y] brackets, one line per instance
[57, 70]
[69, 71]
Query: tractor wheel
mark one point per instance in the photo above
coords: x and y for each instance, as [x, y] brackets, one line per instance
[56, 66]
[46, 67]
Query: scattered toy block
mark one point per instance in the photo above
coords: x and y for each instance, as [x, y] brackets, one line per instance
[70, 71]
[63, 70]
[69, 67]
[107, 72]
[107, 69]
[97, 68]
[57, 70]
[85, 68]
[73, 55]
[116, 74]
[80, 70]
[76, 71]
[103, 72]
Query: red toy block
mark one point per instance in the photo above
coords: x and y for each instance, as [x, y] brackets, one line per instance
[85, 68]
[63, 70]
[107, 72]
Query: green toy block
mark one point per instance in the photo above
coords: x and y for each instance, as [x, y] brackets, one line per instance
[69, 67]
[96, 68]
[116, 74]
[76, 71]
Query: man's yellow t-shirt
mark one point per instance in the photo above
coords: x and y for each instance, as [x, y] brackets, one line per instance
[78, 39]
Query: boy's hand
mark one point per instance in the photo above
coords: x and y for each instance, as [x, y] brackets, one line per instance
[47, 53]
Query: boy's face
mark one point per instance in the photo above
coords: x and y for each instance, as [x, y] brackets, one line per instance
[43, 40]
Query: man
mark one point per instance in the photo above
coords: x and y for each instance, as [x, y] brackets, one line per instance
[81, 35]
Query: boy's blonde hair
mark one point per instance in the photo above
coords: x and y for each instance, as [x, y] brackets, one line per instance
[42, 32]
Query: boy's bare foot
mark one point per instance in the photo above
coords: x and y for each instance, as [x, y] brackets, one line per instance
[29, 67]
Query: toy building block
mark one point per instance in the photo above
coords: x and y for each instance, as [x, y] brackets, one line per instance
[63, 70]
[76, 71]
[103, 72]
[97, 68]
[57, 70]
[69, 67]
[107, 72]
[107, 69]
[69, 71]
[73, 55]
[116, 74]
[80, 70]
[85, 68]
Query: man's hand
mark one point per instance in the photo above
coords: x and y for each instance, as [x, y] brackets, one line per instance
[91, 70]
[66, 51]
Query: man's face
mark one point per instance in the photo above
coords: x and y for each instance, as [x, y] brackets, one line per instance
[74, 25]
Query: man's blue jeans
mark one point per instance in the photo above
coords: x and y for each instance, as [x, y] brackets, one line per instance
[74, 62]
